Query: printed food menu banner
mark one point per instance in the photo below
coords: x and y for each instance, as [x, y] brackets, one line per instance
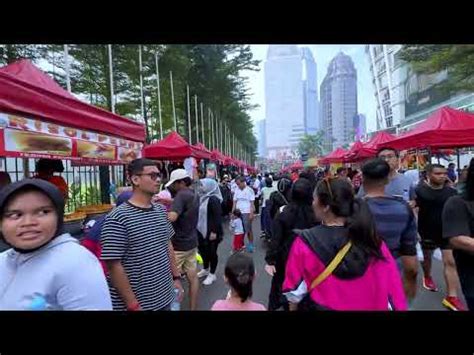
[23, 137]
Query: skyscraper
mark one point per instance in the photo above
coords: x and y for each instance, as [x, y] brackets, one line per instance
[291, 101]
[339, 102]
[310, 92]
[388, 76]
[405, 97]
[360, 126]
[262, 144]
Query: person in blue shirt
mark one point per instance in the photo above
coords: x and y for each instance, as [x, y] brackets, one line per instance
[398, 184]
[452, 172]
[394, 219]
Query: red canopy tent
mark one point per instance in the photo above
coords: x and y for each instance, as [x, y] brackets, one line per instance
[353, 151]
[25, 89]
[203, 148]
[296, 166]
[369, 149]
[39, 119]
[173, 147]
[218, 156]
[336, 156]
[229, 160]
[446, 128]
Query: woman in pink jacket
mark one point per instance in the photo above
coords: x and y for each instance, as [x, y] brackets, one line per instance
[342, 264]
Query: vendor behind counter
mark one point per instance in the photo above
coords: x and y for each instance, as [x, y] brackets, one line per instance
[45, 169]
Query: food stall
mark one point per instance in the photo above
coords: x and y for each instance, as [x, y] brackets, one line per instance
[39, 119]
[445, 128]
[175, 148]
[335, 159]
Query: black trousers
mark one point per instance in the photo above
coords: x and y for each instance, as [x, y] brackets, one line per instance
[276, 299]
[257, 205]
[208, 250]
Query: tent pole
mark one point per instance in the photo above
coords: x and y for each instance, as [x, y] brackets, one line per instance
[459, 161]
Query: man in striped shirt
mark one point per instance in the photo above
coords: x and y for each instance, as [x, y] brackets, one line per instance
[394, 220]
[136, 246]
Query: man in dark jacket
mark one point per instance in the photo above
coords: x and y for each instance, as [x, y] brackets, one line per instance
[298, 214]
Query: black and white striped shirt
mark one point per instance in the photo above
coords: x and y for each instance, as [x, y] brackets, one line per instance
[139, 237]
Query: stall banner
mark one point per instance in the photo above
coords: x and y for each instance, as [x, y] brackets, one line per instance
[29, 138]
[414, 159]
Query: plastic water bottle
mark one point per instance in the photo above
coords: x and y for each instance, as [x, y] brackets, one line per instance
[37, 304]
[176, 306]
[406, 195]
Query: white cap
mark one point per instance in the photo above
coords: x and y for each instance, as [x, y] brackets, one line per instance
[178, 174]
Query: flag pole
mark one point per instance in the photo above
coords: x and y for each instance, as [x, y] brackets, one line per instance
[159, 94]
[202, 124]
[111, 79]
[197, 117]
[209, 126]
[66, 64]
[189, 115]
[172, 100]
[142, 103]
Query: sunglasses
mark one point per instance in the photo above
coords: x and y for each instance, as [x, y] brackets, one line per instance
[153, 176]
[327, 180]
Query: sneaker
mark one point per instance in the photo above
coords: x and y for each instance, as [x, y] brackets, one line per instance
[429, 284]
[210, 279]
[203, 273]
[453, 304]
[250, 248]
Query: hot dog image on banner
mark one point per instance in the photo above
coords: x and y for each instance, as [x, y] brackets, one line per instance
[26, 137]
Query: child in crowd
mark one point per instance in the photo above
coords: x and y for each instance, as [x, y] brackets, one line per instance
[239, 275]
[237, 227]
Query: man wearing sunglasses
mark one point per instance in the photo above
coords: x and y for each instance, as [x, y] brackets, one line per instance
[398, 185]
[136, 246]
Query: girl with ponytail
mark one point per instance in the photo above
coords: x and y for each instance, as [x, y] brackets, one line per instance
[239, 274]
[341, 264]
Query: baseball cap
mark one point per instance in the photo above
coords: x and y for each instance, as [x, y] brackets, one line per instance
[178, 174]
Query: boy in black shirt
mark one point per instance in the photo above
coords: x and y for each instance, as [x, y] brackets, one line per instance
[431, 197]
[458, 228]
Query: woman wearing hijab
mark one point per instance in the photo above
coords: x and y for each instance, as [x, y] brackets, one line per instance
[44, 269]
[209, 227]
[298, 214]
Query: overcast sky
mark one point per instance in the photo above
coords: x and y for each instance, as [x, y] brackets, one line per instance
[322, 55]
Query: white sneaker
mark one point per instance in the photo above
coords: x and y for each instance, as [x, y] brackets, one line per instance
[209, 279]
[203, 273]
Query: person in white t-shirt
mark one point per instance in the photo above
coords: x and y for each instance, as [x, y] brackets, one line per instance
[257, 189]
[244, 198]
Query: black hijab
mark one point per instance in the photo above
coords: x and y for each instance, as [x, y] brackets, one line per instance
[12, 190]
[300, 213]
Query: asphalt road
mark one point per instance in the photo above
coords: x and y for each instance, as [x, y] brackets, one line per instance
[425, 300]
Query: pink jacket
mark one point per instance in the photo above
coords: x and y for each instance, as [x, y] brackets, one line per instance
[372, 291]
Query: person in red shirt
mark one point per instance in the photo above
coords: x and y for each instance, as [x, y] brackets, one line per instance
[45, 169]
[294, 175]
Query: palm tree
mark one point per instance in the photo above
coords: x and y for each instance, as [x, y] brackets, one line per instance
[311, 145]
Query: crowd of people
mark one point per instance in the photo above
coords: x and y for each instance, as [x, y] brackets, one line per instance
[342, 241]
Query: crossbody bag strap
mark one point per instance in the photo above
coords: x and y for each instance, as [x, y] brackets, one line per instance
[332, 266]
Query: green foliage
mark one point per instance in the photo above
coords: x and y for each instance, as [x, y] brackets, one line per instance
[10, 53]
[311, 144]
[213, 73]
[81, 195]
[458, 60]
